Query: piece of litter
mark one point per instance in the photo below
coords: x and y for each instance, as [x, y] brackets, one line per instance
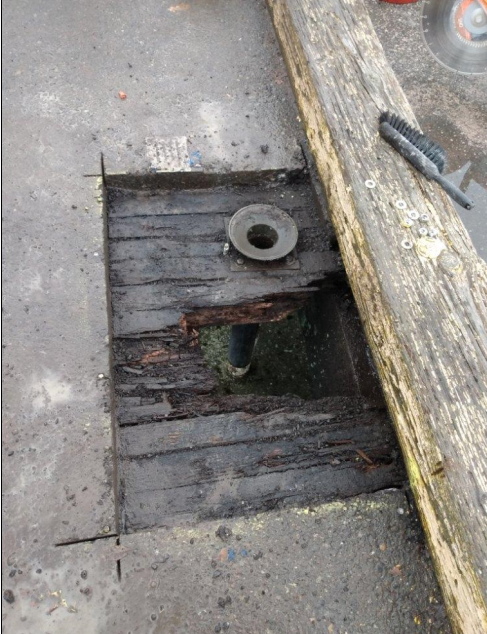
[183, 6]
[195, 159]
[122, 95]
[364, 456]
[223, 532]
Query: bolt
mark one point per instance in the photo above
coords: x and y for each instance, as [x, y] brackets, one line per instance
[240, 261]
[451, 262]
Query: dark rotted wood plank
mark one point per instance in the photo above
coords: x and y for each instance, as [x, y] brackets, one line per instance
[293, 198]
[162, 267]
[198, 385]
[130, 228]
[157, 297]
[195, 244]
[151, 307]
[151, 376]
[188, 402]
[238, 427]
[206, 224]
[237, 496]
[239, 463]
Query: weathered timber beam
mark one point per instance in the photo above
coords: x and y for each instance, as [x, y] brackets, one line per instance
[424, 312]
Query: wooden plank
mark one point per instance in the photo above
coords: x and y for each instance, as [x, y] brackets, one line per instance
[215, 201]
[153, 376]
[425, 309]
[154, 297]
[134, 410]
[154, 226]
[156, 250]
[228, 308]
[314, 266]
[265, 492]
[189, 243]
[225, 429]
[181, 402]
[240, 463]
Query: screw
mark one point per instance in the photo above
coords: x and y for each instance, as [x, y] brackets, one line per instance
[413, 214]
[370, 184]
[424, 218]
[240, 261]
[400, 204]
[407, 244]
[433, 232]
[423, 231]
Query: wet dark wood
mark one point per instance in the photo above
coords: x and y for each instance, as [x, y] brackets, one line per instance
[424, 309]
[188, 451]
[166, 259]
[335, 426]
[236, 463]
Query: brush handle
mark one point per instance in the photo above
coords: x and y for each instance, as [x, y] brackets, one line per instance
[454, 192]
[422, 163]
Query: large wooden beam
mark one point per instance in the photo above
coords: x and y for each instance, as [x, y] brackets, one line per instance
[424, 309]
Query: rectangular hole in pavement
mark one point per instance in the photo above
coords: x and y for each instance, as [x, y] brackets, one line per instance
[188, 446]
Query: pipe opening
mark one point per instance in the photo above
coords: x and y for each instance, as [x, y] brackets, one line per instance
[262, 236]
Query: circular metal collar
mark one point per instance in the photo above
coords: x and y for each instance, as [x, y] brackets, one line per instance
[263, 232]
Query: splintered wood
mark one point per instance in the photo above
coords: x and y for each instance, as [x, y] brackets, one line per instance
[186, 450]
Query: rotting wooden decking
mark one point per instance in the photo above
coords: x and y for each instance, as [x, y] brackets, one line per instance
[424, 309]
[188, 452]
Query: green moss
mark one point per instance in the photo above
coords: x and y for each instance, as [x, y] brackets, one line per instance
[279, 365]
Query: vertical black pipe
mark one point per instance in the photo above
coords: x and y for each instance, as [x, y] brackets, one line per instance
[242, 342]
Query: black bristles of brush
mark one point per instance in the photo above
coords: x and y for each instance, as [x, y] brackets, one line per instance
[434, 152]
